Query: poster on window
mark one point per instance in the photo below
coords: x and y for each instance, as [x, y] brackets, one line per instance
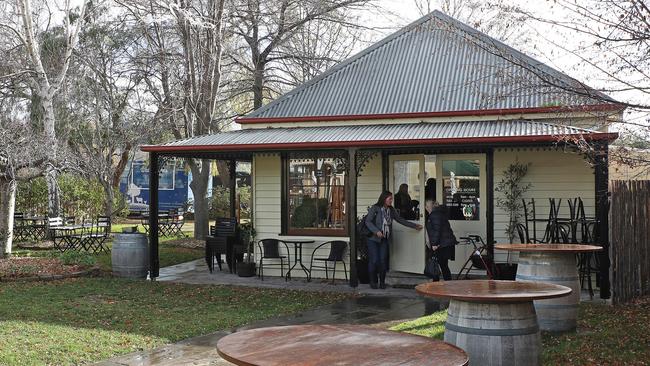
[461, 189]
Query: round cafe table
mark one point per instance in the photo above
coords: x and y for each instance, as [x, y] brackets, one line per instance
[494, 321]
[321, 345]
[552, 263]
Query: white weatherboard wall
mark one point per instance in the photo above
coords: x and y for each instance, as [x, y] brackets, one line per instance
[552, 173]
[266, 205]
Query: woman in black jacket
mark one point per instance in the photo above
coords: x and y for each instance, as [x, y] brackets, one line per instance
[379, 221]
[441, 237]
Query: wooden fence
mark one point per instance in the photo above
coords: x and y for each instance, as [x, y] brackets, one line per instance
[630, 239]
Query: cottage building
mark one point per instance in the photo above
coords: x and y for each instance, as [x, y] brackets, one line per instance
[438, 106]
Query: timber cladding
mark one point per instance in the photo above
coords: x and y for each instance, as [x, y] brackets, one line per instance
[630, 239]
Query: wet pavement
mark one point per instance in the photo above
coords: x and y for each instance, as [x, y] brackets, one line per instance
[196, 272]
[381, 311]
[381, 308]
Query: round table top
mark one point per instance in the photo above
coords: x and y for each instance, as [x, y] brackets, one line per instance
[299, 241]
[492, 291]
[315, 345]
[573, 248]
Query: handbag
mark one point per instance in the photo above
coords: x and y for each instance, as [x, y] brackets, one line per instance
[432, 268]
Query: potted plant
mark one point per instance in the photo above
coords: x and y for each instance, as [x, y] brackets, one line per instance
[512, 190]
[247, 267]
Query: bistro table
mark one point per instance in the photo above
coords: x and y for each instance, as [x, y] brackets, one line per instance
[494, 321]
[297, 254]
[320, 345]
[552, 263]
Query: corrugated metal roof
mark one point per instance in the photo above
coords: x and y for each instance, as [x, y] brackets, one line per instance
[365, 135]
[435, 64]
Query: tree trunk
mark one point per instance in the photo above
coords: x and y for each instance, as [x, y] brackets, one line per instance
[7, 207]
[109, 198]
[53, 192]
[199, 186]
[258, 84]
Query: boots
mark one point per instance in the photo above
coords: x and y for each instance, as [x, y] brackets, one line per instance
[382, 280]
[373, 279]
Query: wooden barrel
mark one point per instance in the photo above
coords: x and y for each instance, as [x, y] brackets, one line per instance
[495, 333]
[130, 255]
[560, 314]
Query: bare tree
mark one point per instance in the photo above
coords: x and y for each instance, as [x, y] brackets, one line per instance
[496, 18]
[610, 43]
[21, 158]
[271, 35]
[185, 40]
[29, 31]
[107, 103]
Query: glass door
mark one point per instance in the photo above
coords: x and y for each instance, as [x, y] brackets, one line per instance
[462, 189]
[407, 181]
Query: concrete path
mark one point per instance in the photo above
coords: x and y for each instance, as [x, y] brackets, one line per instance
[375, 310]
[196, 272]
[375, 307]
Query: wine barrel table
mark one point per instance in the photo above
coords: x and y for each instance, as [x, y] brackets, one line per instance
[320, 345]
[552, 263]
[494, 321]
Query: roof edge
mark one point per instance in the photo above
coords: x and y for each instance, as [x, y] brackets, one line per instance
[600, 136]
[465, 113]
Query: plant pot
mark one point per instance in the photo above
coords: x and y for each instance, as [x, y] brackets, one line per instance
[362, 271]
[246, 269]
[506, 271]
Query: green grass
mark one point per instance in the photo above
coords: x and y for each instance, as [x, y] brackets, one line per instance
[78, 321]
[169, 254]
[606, 335]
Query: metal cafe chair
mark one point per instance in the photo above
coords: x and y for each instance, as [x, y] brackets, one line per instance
[99, 233]
[21, 230]
[270, 249]
[337, 251]
[214, 247]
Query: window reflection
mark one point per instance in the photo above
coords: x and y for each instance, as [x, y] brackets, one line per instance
[461, 188]
[316, 194]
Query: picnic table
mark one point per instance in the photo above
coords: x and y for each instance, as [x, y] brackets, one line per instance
[552, 263]
[494, 321]
[316, 345]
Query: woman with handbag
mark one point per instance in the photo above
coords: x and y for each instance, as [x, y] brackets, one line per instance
[379, 221]
[440, 238]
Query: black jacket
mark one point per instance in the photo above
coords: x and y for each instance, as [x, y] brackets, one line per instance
[375, 219]
[439, 229]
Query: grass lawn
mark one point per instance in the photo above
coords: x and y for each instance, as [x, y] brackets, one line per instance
[170, 252]
[89, 319]
[606, 335]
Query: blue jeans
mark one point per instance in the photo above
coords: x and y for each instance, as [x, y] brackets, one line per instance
[377, 257]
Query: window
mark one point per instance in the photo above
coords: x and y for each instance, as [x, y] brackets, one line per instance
[140, 175]
[316, 196]
[461, 188]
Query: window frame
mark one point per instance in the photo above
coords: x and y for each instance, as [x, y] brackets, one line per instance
[286, 229]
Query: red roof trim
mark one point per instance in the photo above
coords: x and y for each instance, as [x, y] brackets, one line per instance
[338, 144]
[478, 112]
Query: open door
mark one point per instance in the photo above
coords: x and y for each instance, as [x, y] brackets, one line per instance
[407, 247]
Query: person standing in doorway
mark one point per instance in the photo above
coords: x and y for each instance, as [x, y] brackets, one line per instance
[441, 240]
[380, 222]
[403, 202]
